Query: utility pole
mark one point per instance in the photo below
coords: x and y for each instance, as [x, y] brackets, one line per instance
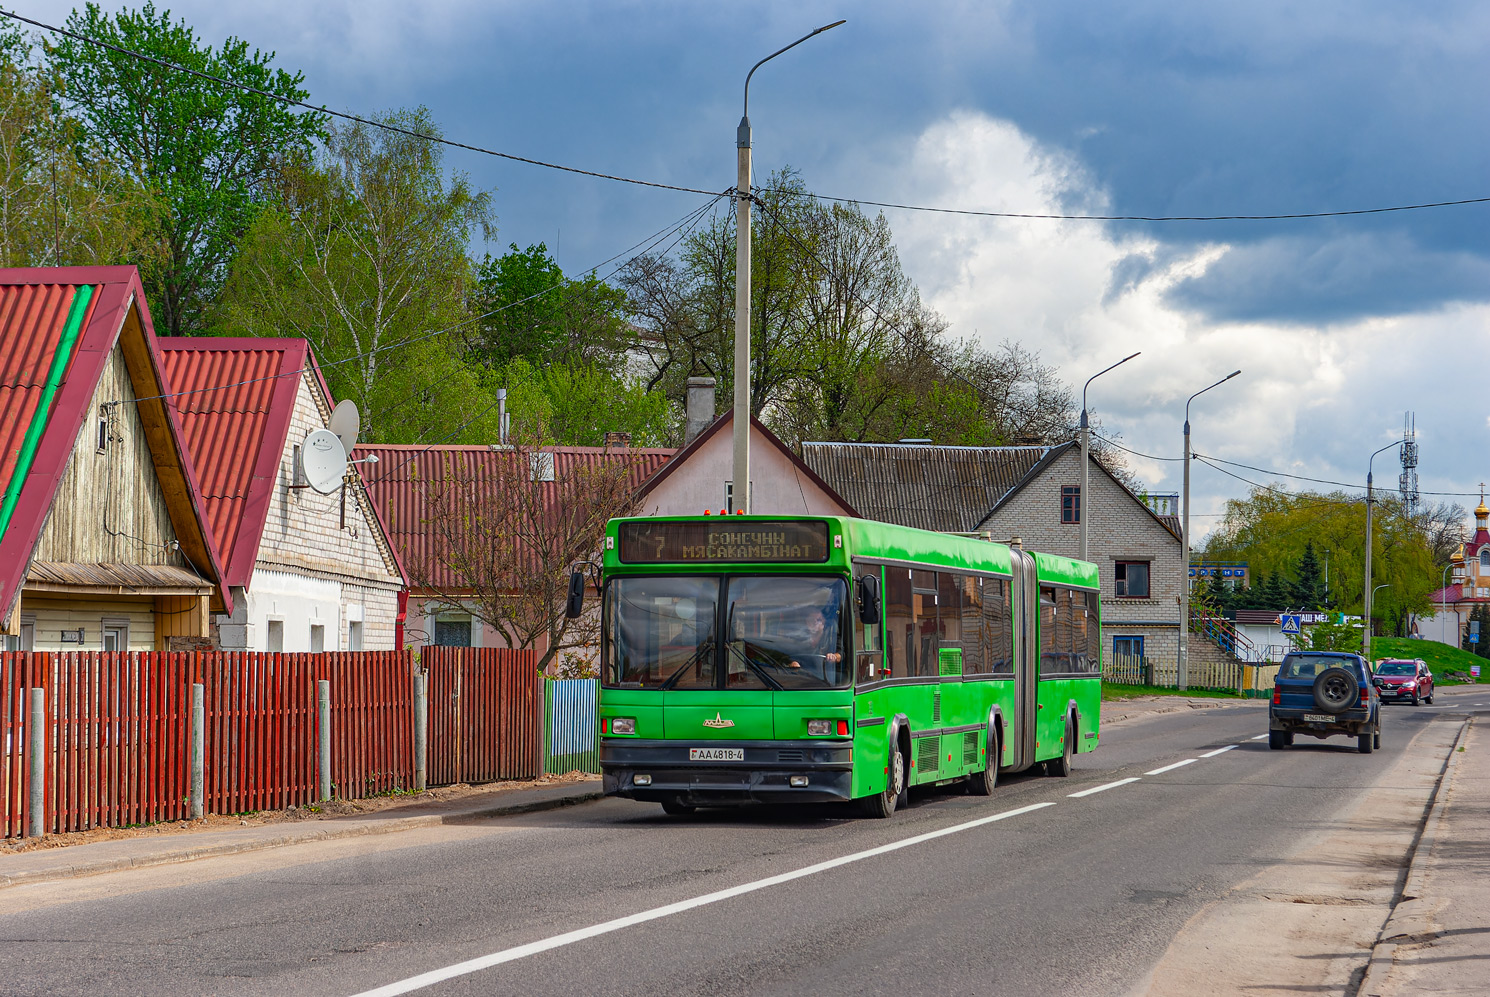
[1182, 676]
[1083, 504]
[740, 486]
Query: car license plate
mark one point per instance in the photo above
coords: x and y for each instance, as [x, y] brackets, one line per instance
[1319, 718]
[716, 754]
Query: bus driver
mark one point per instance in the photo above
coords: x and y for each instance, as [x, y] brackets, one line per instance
[821, 640]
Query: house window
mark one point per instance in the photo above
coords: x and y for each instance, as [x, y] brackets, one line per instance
[116, 635]
[354, 636]
[1070, 503]
[541, 464]
[1131, 647]
[275, 636]
[453, 633]
[1485, 559]
[317, 637]
[1132, 579]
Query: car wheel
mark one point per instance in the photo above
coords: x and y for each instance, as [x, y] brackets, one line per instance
[1288, 739]
[1414, 699]
[1275, 740]
[1376, 738]
[983, 783]
[1363, 742]
[1336, 690]
[883, 803]
[1428, 699]
[1061, 767]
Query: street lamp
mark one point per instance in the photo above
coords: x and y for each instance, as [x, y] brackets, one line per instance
[740, 486]
[1083, 505]
[1183, 672]
[1367, 589]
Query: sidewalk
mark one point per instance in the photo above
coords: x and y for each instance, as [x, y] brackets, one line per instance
[44, 864]
[1437, 939]
[1116, 711]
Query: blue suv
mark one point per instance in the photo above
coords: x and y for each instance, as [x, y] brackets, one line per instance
[1321, 694]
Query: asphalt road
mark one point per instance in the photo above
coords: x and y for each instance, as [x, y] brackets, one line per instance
[1029, 892]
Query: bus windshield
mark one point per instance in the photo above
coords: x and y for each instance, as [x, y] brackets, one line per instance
[778, 632]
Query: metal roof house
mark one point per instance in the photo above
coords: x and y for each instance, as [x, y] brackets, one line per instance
[104, 542]
[307, 571]
[398, 486]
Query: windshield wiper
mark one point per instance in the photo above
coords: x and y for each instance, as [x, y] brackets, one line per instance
[693, 659]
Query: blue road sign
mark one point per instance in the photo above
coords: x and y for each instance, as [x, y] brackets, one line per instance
[1290, 623]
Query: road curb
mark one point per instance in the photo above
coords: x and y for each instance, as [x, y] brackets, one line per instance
[388, 826]
[1409, 921]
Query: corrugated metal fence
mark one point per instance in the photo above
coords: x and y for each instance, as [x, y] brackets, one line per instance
[572, 742]
[118, 729]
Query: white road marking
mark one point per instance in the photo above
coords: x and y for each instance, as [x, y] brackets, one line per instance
[570, 937]
[1168, 768]
[1260, 737]
[1213, 754]
[1098, 789]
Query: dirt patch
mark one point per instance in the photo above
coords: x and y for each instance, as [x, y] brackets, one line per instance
[317, 811]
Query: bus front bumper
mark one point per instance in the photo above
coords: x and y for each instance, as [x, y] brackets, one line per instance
[763, 776]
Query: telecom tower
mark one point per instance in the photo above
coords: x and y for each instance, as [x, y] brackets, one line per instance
[1407, 482]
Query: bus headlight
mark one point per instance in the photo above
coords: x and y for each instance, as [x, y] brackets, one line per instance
[819, 728]
[623, 725]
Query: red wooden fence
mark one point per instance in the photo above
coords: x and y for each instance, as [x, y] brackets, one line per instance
[485, 714]
[119, 728]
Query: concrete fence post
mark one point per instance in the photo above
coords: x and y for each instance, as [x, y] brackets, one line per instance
[323, 697]
[198, 749]
[38, 740]
[421, 733]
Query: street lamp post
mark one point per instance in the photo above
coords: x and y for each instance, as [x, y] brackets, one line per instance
[1443, 601]
[740, 486]
[1182, 675]
[1368, 591]
[1084, 505]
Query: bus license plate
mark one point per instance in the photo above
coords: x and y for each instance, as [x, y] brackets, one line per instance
[1319, 718]
[716, 754]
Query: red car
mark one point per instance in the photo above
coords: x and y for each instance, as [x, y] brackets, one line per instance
[1404, 678]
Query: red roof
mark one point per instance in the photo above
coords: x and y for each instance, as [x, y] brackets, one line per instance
[34, 305]
[236, 435]
[400, 501]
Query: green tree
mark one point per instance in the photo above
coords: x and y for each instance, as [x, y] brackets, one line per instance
[578, 404]
[367, 259]
[209, 152]
[1330, 637]
[62, 201]
[1308, 585]
[542, 316]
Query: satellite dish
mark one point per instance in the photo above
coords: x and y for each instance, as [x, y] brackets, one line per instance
[346, 423]
[323, 461]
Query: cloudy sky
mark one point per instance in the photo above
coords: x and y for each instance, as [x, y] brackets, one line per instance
[1340, 325]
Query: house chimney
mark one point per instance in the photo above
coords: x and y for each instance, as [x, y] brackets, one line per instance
[617, 439]
[699, 407]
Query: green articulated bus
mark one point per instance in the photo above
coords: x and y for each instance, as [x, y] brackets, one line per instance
[753, 659]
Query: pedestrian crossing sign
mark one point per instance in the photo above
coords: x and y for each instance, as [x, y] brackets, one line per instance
[1290, 622]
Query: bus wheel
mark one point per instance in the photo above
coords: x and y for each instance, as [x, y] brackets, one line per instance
[675, 806]
[1062, 766]
[883, 804]
[983, 783]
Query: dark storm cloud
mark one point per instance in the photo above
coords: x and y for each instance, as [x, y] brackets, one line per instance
[1302, 280]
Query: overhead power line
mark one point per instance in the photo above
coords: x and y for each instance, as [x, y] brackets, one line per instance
[481, 150]
[321, 109]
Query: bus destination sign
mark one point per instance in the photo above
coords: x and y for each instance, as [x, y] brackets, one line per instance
[724, 540]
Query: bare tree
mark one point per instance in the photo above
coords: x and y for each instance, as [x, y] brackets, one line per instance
[506, 529]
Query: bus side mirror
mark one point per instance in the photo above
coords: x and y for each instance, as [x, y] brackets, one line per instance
[869, 599]
[576, 604]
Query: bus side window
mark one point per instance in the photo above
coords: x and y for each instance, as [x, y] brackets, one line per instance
[868, 647]
[998, 626]
[1049, 652]
[974, 659]
[949, 607]
[899, 622]
[1093, 635]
